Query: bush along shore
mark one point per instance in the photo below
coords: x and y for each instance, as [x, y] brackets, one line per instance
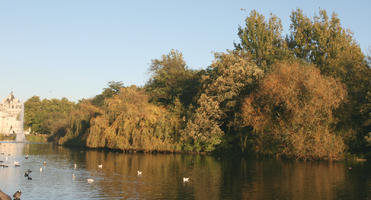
[305, 95]
[38, 138]
[6, 137]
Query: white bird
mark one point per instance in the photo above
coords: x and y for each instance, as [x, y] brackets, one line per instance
[100, 166]
[75, 166]
[16, 163]
[139, 173]
[90, 180]
[185, 179]
[41, 169]
[73, 177]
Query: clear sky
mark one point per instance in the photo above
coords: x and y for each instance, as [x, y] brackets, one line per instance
[72, 48]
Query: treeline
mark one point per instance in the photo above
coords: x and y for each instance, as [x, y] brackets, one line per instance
[305, 95]
[47, 116]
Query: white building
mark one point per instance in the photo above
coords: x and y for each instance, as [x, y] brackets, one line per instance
[10, 111]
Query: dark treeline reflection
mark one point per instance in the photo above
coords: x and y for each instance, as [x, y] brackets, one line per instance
[224, 178]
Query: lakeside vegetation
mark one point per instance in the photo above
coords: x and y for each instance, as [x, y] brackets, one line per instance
[37, 138]
[305, 95]
[7, 137]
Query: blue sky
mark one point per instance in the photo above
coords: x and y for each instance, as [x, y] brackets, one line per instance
[72, 48]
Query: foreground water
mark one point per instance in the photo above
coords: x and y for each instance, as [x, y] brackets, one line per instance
[162, 176]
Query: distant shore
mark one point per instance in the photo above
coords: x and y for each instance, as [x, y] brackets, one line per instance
[41, 138]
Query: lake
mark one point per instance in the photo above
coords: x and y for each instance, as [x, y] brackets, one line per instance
[162, 176]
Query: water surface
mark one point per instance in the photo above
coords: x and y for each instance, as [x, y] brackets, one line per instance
[162, 178]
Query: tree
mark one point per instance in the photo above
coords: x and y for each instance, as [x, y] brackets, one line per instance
[291, 113]
[108, 92]
[47, 116]
[262, 40]
[228, 79]
[203, 132]
[323, 42]
[32, 118]
[130, 122]
[171, 79]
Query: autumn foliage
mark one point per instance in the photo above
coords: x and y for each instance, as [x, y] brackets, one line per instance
[304, 95]
[291, 113]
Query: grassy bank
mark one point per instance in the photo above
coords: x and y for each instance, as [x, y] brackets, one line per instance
[7, 137]
[37, 138]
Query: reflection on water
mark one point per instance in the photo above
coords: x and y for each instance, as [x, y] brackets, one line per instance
[210, 178]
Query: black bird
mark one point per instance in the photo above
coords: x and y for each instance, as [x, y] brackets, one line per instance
[27, 173]
[17, 195]
[26, 157]
[29, 178]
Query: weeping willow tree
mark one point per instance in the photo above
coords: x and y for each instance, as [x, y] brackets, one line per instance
[77, 129]
[130, 122]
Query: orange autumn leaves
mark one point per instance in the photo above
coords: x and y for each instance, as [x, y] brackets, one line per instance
[292, 112]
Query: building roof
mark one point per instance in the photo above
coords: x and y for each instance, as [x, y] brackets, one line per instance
[10, 99]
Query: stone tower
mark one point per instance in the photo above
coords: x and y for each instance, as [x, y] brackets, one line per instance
[10, 110]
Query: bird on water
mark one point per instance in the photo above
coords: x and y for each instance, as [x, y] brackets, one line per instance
[27, 173]
[17, 164]
[17, 195]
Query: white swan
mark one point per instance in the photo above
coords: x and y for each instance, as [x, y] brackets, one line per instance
[185, 179]
[75, 166]
[17, 164]
[100, 166]
[90, 180]
[139, 173]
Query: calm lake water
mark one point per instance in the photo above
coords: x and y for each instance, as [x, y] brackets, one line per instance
[162, 176]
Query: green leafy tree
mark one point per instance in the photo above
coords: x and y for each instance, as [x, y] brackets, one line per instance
[32, 113]
[47, 116]
[262, 40]
[323, 42]
[230, 77]
[171, 79]
[108, 92]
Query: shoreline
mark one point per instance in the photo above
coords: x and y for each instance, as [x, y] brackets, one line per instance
[43, 139]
